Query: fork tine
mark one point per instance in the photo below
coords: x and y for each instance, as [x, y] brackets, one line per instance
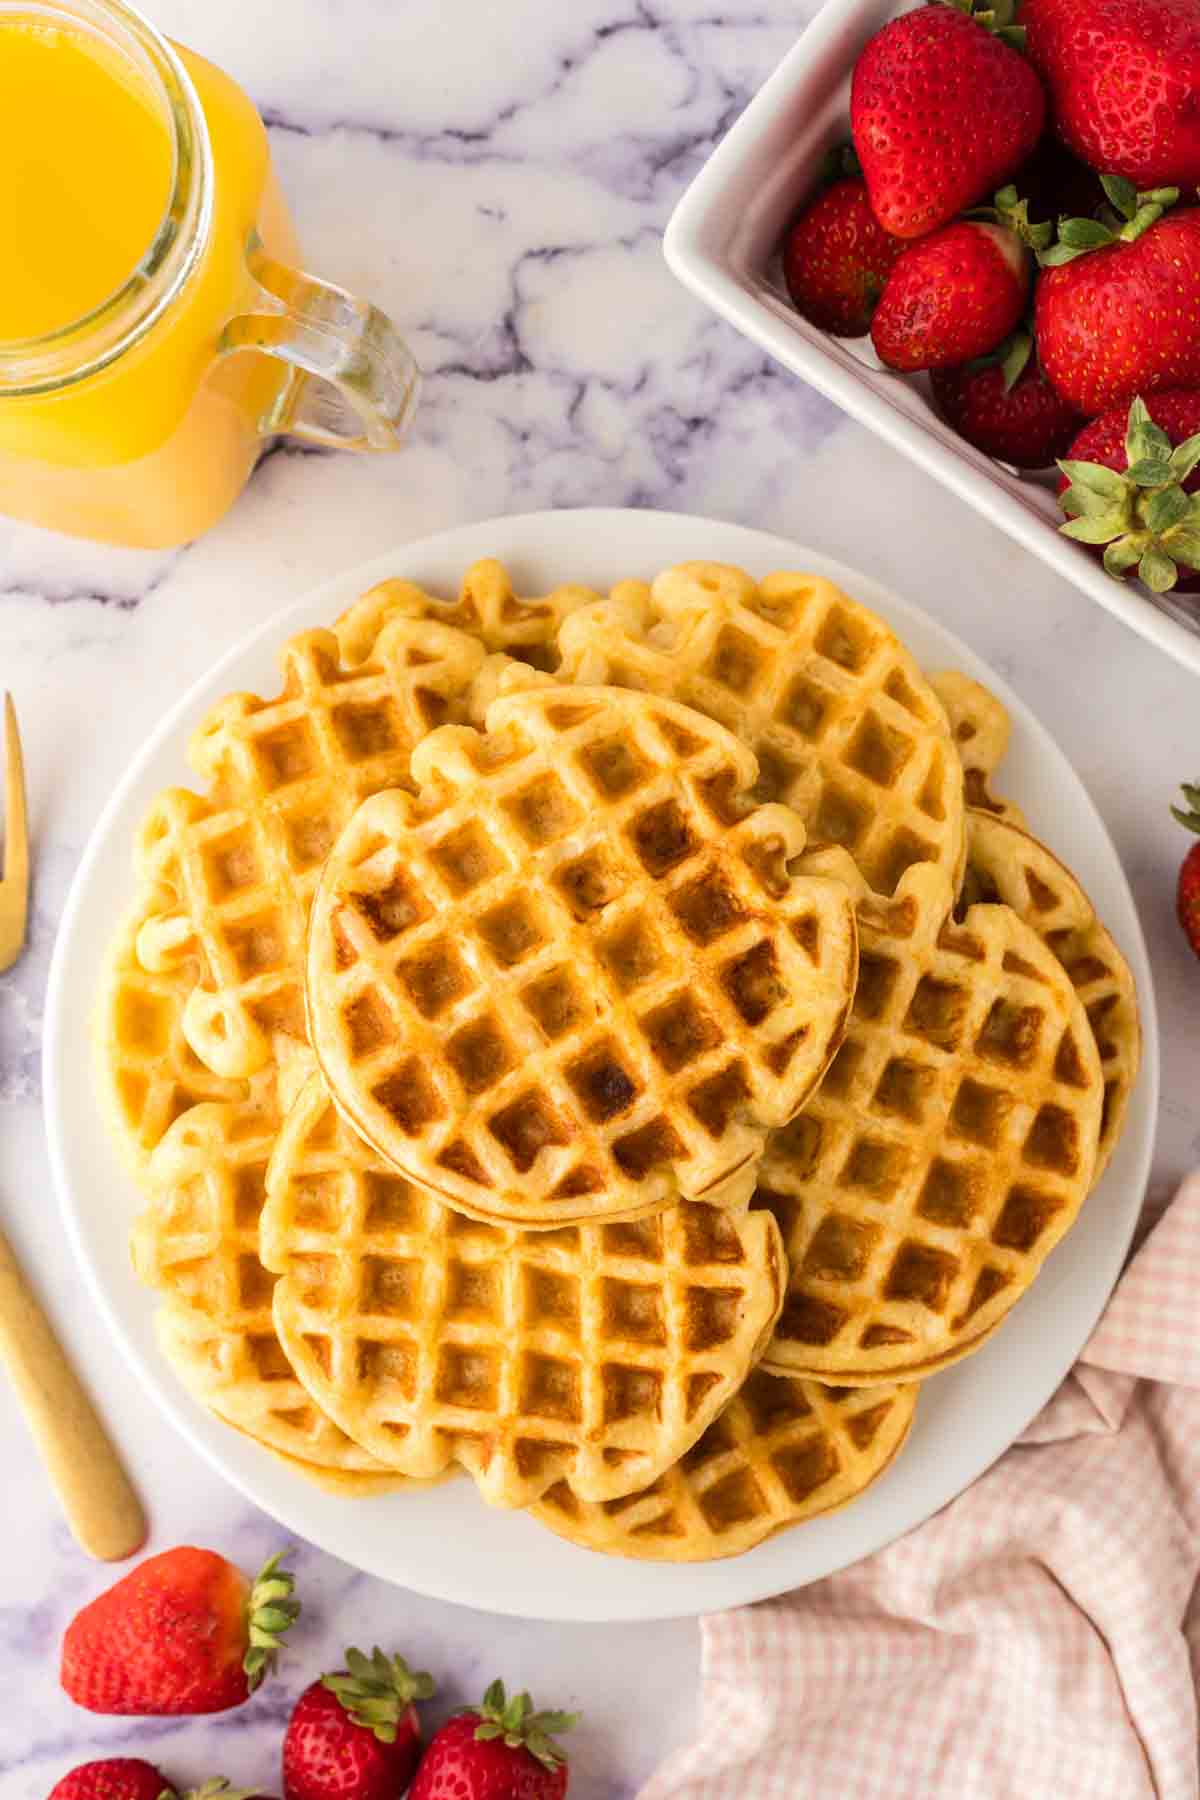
[16, 829]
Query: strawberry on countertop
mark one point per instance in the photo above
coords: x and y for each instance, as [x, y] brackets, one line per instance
[1131, 482]
[1188, 891]
[1006, 407]
[355, 1735]
[1117, 309]
[184, 1632]
[836, 258]
[112, 1778]
[500, 1750]
[129, 1778]
[943, 109]
[1123, 77]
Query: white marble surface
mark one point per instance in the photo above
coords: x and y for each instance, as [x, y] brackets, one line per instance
[497, 178]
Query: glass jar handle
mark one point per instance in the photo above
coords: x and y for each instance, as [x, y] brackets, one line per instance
[353, 380]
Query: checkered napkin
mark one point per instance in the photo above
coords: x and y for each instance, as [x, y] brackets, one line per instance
[1039, 1639]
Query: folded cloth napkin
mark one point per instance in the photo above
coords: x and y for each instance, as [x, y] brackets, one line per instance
[1039, 1639]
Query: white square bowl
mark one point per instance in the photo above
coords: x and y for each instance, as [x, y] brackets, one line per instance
[722, 240]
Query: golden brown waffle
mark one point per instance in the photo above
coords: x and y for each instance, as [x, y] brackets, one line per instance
[573, 979]
[844, 725]
[486, 607]
[783, 1451]
[596, 1355]
[980, 726]
[235, 867]
[242, 867]
[1006, 864]
[948, 1150]
[148, 1073]
[197, 1244]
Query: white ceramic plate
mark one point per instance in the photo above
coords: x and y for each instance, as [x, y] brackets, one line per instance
[445, 1542]
[721, 243]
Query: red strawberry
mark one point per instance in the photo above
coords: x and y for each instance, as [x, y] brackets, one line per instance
[942, 111]
[355, 1735]
[1007, 408]
[112, 1778]
[500, 1750]
[1126, 484]
[1117, 310]
[184, 1632]
[1123, 77]
[1187, 894]
[951, 297]
[836, 257]
[129, 1778]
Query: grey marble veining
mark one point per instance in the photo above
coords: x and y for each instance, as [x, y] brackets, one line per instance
[497, 178]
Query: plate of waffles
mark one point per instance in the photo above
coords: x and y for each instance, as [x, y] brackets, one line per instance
[600, 1066]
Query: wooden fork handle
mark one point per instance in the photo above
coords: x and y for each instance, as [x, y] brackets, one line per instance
[101, 1507]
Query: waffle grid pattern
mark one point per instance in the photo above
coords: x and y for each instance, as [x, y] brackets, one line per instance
[570, 985]
[980, 727]
[148, 1072]
[1006, 864]
[243, 863]
[596, 1354]
[845, 729]
[197, 1244]
[233, 869]
[948, 1149]
[783, 1451]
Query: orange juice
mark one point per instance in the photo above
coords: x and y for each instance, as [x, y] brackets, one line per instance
[87, 174]
[152, 326]
[153, 447]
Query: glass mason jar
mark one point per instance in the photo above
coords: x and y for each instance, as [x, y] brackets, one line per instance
[139, 422]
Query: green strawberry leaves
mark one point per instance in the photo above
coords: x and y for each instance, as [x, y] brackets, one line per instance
[1190, 818]
[1142, 516]
[521, 1727]
[272, 1609]
[216, 1789]
[1009, 209]
[1128, 215]
[377, 1690]
[997, 17]
[1014, 356]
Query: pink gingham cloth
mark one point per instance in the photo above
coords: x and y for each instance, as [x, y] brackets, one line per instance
[1039, 1639]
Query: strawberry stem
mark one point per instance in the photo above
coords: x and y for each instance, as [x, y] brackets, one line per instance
[520, 1726]
[1131, 214]
[1143, 516]
[377, 1690]
[272, 1609]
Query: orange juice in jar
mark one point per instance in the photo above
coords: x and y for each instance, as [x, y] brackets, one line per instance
[154, 328]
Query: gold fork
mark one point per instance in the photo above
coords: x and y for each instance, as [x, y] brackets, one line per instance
[101, 1508]
[14, 881]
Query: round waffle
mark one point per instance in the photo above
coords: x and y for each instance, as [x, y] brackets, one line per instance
[197, 1244]
[573, 978]
[234, 868]
[948, 1150]
[597, 1355]
[783, 1451]
[1006, 864]
[845, 728]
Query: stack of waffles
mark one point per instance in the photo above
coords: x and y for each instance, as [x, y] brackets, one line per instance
[615, 1046]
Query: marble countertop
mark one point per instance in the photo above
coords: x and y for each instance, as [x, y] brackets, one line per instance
[497, 178]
